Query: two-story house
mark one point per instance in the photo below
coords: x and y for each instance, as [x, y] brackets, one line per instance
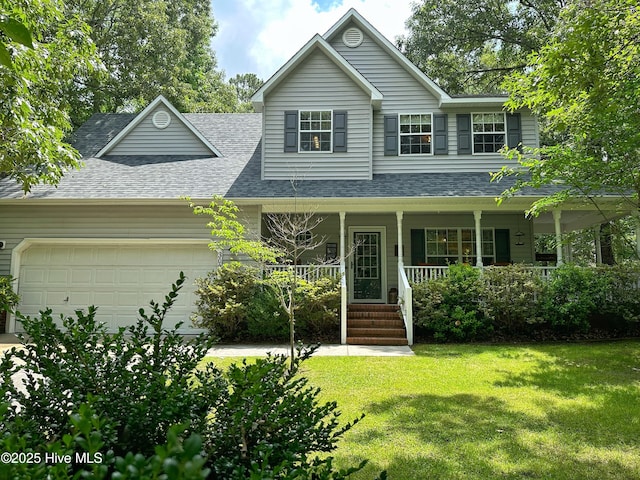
[348, 128]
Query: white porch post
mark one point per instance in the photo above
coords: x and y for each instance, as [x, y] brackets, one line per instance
[557, 216]
[477, 215]
[343, 281]
[598, 245]
[399, 216]
[638, 233]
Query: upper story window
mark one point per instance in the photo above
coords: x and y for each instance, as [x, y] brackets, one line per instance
[489, 132]
[415, 134]
[315, 130]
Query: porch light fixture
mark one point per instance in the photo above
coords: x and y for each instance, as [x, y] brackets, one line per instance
[519, 239]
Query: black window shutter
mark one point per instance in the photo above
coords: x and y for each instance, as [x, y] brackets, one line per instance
[440, 134]
[391, 135]
[514, 130]
[291, 131]
[339, 131]
[417, 246]
[463, 122]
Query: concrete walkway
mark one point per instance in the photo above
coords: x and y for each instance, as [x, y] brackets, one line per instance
[8, 340]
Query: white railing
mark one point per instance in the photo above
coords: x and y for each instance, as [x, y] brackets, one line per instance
[343, 306]
[419, 274]
[405, 300]
[425, 273]
[306, 272]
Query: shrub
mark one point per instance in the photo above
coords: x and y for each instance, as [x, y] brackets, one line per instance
[513, 294]
[318, 308]
[137, 398]
[236, 303]
[618, 300]
[8, 298]
[270, 422]
[452, 307]
[141, 379]
[570, 297]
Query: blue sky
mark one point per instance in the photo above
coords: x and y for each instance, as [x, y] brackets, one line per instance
[258, 36]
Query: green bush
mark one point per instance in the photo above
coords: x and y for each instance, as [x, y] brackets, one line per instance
[571, 296]
[141, 379]
[141, 399]
[236, 303]
[8, 298]
[513, 293]
[270, 420]
[451, 308]
[618, 300]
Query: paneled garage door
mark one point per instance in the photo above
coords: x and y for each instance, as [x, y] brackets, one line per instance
[117, 278]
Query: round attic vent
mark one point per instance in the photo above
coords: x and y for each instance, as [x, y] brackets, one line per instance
[161, 119]
[352, 37]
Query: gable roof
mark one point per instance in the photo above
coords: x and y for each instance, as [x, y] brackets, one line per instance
[143, 114]
[444, 99]
[316, 43]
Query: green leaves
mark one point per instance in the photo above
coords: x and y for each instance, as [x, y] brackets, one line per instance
[17, 32]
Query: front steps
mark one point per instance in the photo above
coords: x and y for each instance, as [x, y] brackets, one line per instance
[375, 324]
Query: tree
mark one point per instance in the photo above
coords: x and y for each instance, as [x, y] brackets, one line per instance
[246, 85]
[468, 47]
[150, 47]
[585, 86]
[34, 77]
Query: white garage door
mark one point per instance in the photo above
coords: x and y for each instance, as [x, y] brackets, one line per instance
[118, 279]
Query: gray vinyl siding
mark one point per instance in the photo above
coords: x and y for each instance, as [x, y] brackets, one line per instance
[403, 93]
[146, 139]
[106, 222]
[317, 84]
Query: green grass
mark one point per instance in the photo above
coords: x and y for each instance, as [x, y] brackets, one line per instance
[563, 411]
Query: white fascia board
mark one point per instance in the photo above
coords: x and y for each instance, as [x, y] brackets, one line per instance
[391, 49]
[316, 42]
[471, 101]
[143, 114]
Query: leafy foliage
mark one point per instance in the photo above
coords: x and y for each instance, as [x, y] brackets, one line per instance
[34, 108]
[141, 383]
[451, 307]
[469, 47]
[236, 303]
[270, 420]
[150, 47]
[140, 404]
[8, 298]
[585, 86]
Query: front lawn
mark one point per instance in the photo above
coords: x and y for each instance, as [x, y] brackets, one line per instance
[561, 411]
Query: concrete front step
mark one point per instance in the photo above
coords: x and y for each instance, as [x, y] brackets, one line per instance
[376, 341]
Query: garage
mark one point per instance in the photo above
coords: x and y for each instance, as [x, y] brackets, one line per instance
[118, 277]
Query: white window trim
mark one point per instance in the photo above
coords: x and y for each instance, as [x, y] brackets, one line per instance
[300, 131]
[461, 255]
[473, 148]
[400, 135]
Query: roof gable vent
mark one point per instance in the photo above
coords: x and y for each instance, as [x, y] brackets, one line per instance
[161, 119]
[352, 37]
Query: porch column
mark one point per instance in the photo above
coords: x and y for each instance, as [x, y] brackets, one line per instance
[637, 215]
[598, 245]
[399, 216]
[343, 281]
[477, 215]
[557, 215]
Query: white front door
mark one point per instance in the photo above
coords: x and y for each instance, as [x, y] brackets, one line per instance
[367, 275]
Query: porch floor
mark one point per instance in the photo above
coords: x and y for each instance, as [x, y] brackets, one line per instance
[375, 324]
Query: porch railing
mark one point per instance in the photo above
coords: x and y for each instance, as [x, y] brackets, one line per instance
[405, 300]
[307, 272]
[419, 274]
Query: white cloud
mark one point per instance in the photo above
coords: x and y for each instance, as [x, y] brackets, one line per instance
[259, 36]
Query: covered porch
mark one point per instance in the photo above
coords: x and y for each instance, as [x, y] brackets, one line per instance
[379, 247]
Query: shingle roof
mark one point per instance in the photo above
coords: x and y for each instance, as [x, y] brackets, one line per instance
[237, 174]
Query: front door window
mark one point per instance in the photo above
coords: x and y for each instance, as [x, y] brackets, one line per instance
[367, 274]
